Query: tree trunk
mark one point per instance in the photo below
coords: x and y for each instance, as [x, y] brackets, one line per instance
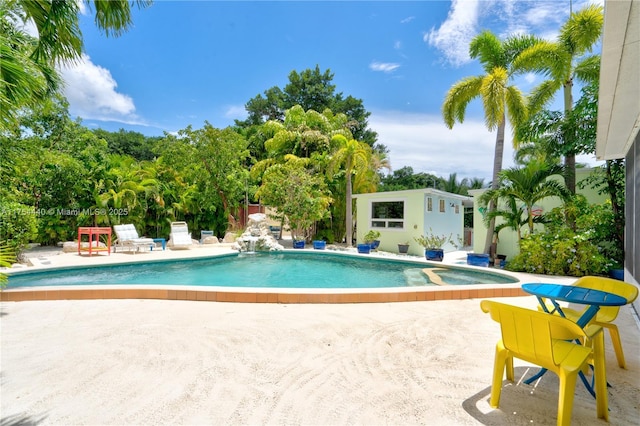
[497, 168]
[349, 218]
[570, 156]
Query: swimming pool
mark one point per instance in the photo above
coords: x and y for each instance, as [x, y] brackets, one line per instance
[297, 270]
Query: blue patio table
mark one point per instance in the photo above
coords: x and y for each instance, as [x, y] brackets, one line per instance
[594, 299]
[159, 240]
[568, 293]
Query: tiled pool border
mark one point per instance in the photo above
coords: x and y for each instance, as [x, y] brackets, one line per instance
[249, 295]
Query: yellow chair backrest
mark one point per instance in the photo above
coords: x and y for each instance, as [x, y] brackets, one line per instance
[530, 334]
[626, 290]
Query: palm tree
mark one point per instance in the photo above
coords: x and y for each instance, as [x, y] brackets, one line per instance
[27, 71]
[23, 81]
[500, 100]
[453, 186]
[354, 158]
[564, 61]
[512, 217]
[7, 257]
[529, 185]
[476, 183]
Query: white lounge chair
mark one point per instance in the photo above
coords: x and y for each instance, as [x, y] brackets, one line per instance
[180, 236]
[127, 238]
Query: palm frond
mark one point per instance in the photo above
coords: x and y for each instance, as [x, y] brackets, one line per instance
[542, 94]
[546, 58]
[488, 49]
[582, 30]
[515, 45]
[7, 258]
[493, 97]
[516, 109]
[458, 97]
[588, 69]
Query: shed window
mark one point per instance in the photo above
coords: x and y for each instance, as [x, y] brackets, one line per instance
[429, 204]
[387, 214]
[441, 206]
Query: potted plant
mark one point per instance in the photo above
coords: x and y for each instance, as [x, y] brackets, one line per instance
[319, 244]
[364, 248]
[432, 244]
[403, 248]
[372, 238]
[478, 259]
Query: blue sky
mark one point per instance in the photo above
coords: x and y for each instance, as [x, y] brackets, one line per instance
[184, 62]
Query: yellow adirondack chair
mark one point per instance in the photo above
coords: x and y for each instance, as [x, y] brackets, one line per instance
[607, 314]
[548, 341]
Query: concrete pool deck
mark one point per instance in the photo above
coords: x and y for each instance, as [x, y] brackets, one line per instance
[153, 362]
[46, 258]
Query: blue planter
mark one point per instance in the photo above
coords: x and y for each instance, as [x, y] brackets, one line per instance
[478, 259]
[375, 244]
[298, 244]
[364, 248]
[319, 244]
[617, 274]
[434, 254]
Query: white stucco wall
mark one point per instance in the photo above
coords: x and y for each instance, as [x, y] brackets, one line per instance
[417, 220]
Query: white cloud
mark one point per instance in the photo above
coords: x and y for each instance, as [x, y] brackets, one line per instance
[423, 142]
[397, 45]
[467, 17]
[82, 8]
[454, 35]
[384, 66]
[407, 19]
[530, 77]
[92, 93]
[236, 112]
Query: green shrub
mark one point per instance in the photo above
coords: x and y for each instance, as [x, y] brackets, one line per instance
[593, 248]
[18, 225]
[565, 253]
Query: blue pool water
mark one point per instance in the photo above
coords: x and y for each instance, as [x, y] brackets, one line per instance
[279, 270]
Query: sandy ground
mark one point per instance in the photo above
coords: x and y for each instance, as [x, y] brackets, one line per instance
[177, 362]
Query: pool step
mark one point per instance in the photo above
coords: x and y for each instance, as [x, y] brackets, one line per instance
[39, 261]
[414, 277]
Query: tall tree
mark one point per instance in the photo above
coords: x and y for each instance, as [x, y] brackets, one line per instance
[297, 192]
[311, 89]
[454, 186]
[500, 100]
[353, 157]
[214, 161]
[405, 178]
[564, 61]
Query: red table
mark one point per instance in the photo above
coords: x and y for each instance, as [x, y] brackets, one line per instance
[92, 232]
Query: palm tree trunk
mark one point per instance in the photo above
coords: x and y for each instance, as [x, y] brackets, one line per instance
[497, 168]
[570, 157]
[349, 214]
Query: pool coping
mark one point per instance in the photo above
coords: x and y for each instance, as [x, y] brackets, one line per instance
[260, 295]
[265, 295]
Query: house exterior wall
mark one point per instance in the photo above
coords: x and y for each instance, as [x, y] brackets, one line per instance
[417, 220]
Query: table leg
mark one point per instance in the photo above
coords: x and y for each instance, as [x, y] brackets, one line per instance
[602, 398]
[536, 376]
